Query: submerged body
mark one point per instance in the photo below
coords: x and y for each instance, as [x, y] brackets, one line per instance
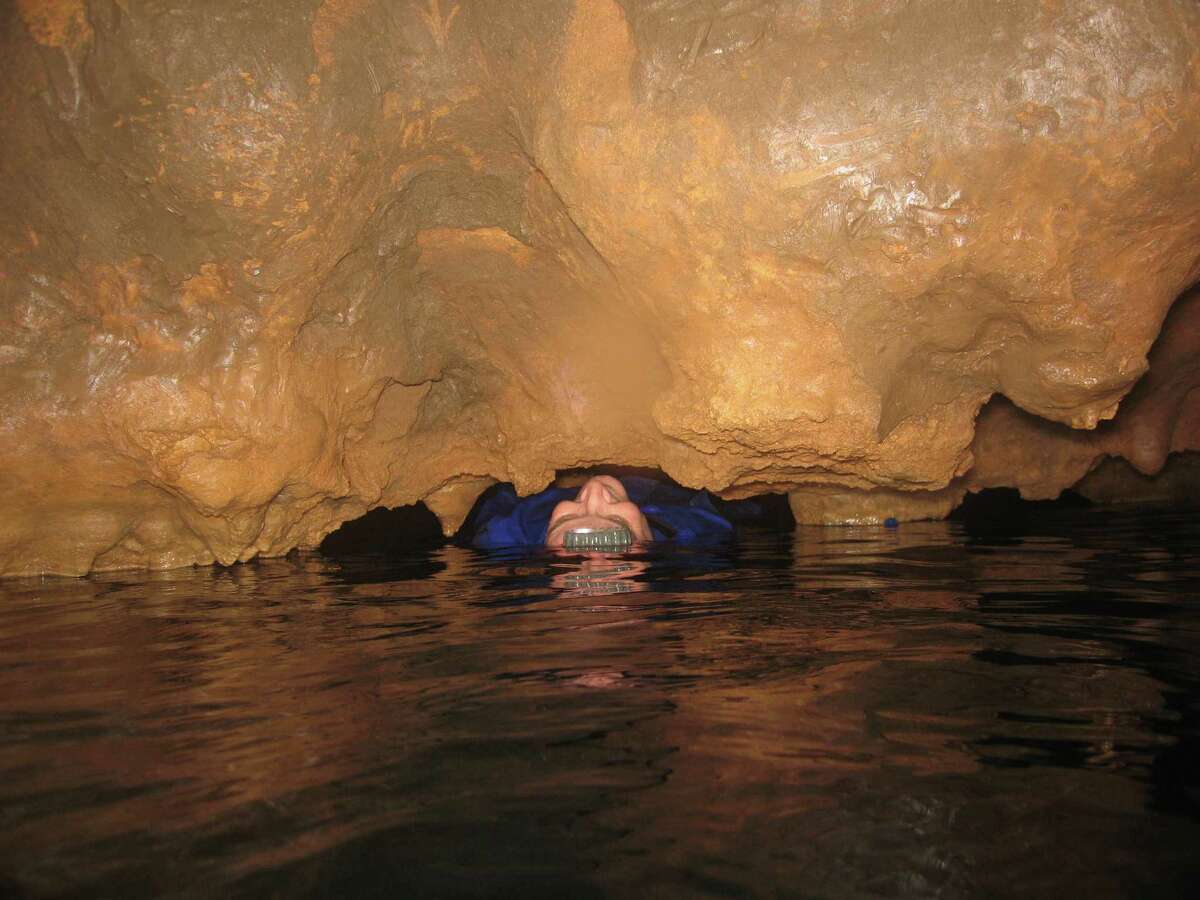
[651, 510]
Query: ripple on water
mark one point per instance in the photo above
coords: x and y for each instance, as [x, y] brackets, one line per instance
[838, 712]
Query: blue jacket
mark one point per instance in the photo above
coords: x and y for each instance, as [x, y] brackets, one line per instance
[674, 514]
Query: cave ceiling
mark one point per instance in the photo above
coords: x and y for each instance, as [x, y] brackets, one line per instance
[265, 266]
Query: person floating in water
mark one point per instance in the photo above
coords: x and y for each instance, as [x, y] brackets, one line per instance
[606, 513]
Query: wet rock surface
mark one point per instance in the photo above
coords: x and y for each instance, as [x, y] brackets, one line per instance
[1146, 453]
[267, 266]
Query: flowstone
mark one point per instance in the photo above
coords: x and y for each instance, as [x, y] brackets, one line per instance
[267, 265]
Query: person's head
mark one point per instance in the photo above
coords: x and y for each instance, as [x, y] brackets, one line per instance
[601, 503]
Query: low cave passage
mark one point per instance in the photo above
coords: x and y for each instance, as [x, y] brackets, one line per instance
[383, 530]
[992, 512]
[996, 512]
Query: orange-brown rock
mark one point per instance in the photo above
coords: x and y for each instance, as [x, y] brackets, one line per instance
[1141, 455]
[1160, 417]
[266, 265]
[824, 505]
[1115, 481]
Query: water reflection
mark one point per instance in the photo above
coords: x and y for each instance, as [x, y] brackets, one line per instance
[598, 575]
[850, 712]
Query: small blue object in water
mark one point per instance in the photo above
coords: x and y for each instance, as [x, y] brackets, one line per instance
[889, 522]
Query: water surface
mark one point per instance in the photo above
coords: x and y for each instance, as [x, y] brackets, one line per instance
[922, 711]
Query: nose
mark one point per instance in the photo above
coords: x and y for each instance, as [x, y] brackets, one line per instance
[592, 497]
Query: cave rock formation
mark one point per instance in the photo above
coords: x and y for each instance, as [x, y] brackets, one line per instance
[267, 265]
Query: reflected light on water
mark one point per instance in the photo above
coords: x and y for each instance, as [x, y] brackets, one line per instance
[835, 712]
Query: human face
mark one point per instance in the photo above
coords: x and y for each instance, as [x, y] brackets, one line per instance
[600, 503]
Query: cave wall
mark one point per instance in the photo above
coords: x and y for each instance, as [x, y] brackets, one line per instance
[1146, 453]
[268, 265]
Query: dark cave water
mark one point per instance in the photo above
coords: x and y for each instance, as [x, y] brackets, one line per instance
[938, 710]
